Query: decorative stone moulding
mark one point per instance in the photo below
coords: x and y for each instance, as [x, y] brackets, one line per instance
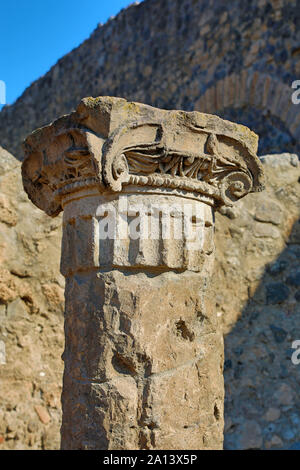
[113, 145]
[139, 187]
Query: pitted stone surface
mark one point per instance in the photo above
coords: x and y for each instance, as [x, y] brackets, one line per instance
[136, 357]
[129, 366]
[249, 391]
[256, 35]
[31, 319]
[114, 145]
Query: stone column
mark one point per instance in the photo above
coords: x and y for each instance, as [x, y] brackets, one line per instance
[139, 187]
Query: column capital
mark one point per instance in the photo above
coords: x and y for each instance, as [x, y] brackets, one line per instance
[118, 146]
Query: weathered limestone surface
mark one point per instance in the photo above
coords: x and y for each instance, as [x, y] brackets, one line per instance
[142, 342]
[257, 258]
[31, 315]
[142, 339]
[146, 350]
[257, 355]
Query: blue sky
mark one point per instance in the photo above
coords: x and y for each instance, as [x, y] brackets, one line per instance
[34, 34]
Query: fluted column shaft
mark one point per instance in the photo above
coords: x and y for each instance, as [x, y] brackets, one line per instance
[144, 355]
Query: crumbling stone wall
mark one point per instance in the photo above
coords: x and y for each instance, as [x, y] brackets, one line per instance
[257, 294]
[31, 318]
[236, 59]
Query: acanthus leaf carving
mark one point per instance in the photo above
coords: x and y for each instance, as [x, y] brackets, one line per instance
[155, 164]
[142, 148]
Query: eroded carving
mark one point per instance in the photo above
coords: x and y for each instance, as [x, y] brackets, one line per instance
[222, 179]
[144, 147]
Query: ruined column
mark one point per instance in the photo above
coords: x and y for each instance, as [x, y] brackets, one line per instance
[139, 187]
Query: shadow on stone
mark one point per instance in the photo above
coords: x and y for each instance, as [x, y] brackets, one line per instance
[262, 410]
